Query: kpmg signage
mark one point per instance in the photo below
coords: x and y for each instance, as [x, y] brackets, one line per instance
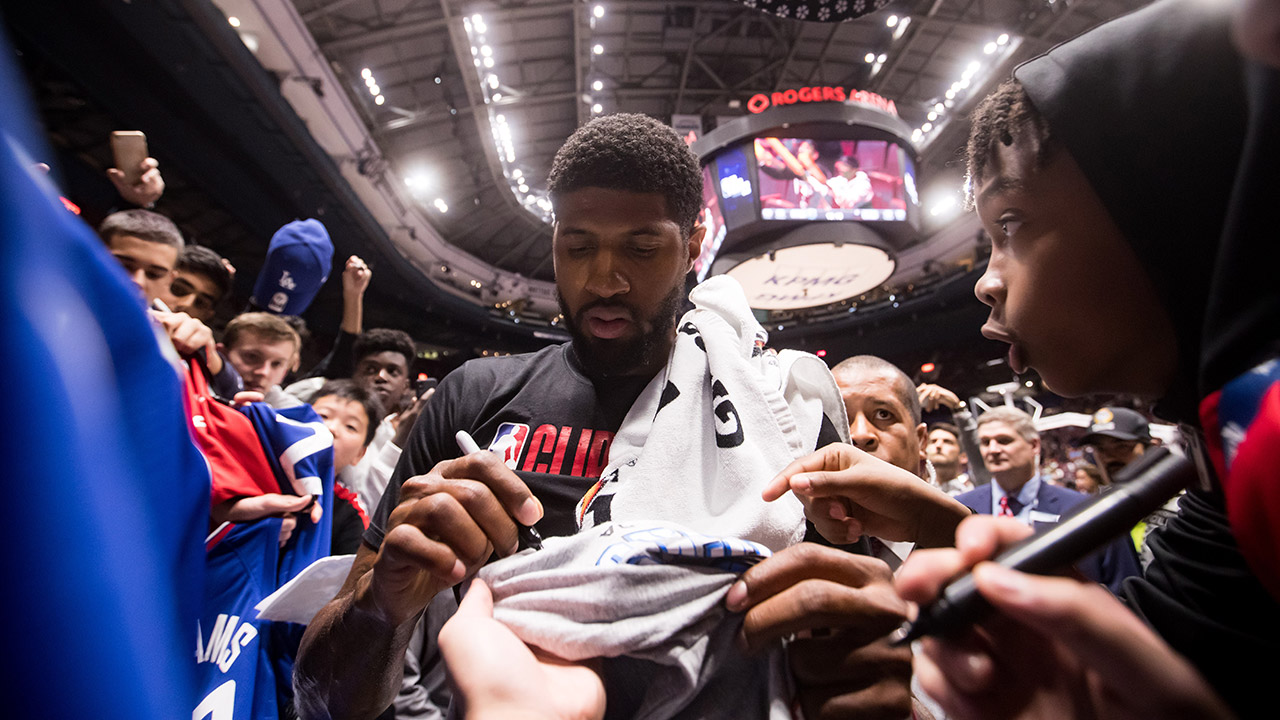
[794, 96]
[812, 275]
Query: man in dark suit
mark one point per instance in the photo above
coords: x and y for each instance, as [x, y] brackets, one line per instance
[1010, 448]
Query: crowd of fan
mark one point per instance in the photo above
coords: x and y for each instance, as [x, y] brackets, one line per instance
[891, 491]
[363, 392]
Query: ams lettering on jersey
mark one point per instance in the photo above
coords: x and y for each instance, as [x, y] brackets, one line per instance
[226, 642]
[552, 449]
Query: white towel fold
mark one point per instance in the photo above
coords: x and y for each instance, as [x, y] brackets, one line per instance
[711, 429]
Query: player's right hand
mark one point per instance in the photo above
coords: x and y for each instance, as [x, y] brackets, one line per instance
[447, 524]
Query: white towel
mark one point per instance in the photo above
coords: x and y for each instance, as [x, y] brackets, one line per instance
[723, 417]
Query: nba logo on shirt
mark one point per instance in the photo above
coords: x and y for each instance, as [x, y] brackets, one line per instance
[509, 442]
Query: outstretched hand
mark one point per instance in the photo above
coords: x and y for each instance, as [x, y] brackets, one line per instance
[1057, 647]
[500, 677]
[848, 493]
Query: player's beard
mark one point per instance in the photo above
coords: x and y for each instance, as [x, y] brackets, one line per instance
[646, 351]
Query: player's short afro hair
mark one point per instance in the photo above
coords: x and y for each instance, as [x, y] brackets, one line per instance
[635, 153]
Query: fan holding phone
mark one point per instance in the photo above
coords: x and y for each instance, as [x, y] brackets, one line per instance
[136, 174]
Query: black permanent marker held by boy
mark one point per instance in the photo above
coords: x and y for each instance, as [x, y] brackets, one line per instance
[1141, 488]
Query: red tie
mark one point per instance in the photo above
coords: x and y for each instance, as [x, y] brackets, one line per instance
[1005, 510]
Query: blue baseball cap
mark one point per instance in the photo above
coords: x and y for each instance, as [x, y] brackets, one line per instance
[297, 264]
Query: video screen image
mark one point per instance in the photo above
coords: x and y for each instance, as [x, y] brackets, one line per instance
[737, 191]
[806, 179]
[714, 222]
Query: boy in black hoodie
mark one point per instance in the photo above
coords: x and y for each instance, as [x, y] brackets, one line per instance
[1103, 173]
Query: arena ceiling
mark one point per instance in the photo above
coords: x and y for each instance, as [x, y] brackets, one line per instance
[178, 71]
[447, 68]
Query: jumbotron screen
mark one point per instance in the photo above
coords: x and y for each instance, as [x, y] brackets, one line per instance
[807, 179]
[714, 222]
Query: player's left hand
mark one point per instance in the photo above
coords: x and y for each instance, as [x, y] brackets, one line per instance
[840, 607]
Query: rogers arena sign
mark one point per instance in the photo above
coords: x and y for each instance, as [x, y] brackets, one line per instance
[761, 102]
[811, 275]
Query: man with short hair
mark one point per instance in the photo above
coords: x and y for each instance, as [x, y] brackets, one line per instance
[883, 410]
[383, 358]
[380, 362]
[261, 347]
[1010, 446]
[147, 244]
[200, 281]
[1118, 436]
[627, 194]
[948, 459]
[884, 421]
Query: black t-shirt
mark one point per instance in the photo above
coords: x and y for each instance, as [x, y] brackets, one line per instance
[552, 423]
[540, 411]
[1201, 597]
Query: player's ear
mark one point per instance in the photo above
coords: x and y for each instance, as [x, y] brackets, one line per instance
[694, 245]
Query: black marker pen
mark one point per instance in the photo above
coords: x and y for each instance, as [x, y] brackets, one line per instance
[1141, 488]
[529, 537]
